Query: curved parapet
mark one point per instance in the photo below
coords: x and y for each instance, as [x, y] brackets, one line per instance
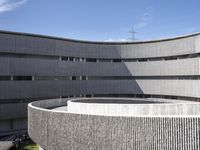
[55, 125]
[131, 107]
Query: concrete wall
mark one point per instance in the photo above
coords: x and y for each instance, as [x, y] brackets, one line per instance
[39, 89]
[42, 67]
[63, 130]
[188, 88]
[21, 43]
[19, 110]
[35, 55]
[164, 68]
[130, 107]
[161, 48]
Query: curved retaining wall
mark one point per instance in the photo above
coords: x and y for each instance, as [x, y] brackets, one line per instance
[131, 107]
[35, 67]
[53, 129]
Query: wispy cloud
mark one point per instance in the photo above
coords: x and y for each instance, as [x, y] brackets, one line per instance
[145, 18]
[9, 5]
[117, 40]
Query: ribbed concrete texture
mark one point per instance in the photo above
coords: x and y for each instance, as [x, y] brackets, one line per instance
[53, 129]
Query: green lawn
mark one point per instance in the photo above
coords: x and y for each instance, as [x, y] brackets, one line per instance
[31, 147]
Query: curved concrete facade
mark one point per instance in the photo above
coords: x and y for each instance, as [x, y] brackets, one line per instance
[36, 67]
[93, 126]
[131, 107]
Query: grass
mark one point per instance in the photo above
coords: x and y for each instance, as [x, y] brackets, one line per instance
[31, 147]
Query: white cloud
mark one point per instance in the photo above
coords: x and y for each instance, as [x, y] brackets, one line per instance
[117, 40]
[145, 19]
[9, 5]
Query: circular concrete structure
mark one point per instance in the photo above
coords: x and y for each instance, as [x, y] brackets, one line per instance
[131, 107]
[95, 123]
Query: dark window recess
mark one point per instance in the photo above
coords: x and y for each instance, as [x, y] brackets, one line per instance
[65, 58]
[155, 59]
[129, 60]
[84, 78]
[4, 78]
[183, 57]
[91, 60]
[51, 78]
[142, 59]
[70, 96]
[64, 96]
[104, 60]
[22, 77]
[73, 78]
[170, 58]
[87, 95]
[71, 59]
[192, 55]
[117, 60]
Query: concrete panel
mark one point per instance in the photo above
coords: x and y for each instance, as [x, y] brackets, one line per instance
[38, 89]
[197, 43]
[7, 42]
[13, 111]
[91, 50]
[34, 45]
[4, 66]
[4, 125]
[47, 46]
[188, 88]
[20, 123]
[31, 67]
[158, 49]
[39, 67]
[178, 67]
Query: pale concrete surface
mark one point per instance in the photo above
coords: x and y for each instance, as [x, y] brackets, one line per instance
[63, 108]
[131, 107]
[53, 129]
[5, 145]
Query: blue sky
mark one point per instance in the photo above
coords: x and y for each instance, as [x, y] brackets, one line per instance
[101, 20]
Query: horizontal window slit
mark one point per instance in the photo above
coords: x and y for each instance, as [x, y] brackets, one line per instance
[7, 78]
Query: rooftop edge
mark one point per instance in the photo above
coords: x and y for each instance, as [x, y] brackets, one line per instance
[98, 42]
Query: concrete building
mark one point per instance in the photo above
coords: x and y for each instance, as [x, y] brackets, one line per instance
[37, 67]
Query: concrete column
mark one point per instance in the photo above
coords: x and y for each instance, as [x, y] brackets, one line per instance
[60, 58]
